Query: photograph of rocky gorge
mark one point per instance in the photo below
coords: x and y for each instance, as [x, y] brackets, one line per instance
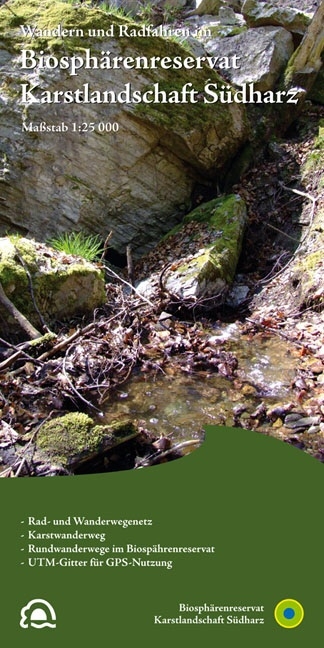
[161, 229]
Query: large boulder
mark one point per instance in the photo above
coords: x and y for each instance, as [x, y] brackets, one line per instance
[264, 53]
[258, 14]
[212, 7]
[206, 249]
[208, 7]
[34, 276]
[136, 182]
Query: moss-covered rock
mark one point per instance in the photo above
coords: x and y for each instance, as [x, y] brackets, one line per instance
[74, 439]
[63, 286]
[210, 271]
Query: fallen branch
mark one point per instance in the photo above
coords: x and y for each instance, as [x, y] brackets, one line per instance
[64, 343]
[23, 322]
[32, 294]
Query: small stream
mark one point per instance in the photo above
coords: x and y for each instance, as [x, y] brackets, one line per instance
[180, 405]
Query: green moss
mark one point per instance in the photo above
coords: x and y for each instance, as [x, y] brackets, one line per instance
[48, 15]
[307, 271]
[181, 116]
[315, 160]
[74, 438]
[53, 281]
[48, 337]
[219, 213]
[12, 273]
[311, 262]
[25, 249]
[68, 436]
[184, 117]
[222, 31]
[207, 265]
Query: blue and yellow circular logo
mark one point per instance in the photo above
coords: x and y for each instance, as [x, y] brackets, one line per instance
[289, 613]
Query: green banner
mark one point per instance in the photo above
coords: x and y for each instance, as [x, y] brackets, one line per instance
[221, 547]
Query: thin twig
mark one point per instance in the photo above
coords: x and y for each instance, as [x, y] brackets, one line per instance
[21, 352]
[130, 267]
[313, 201]
[292, 238]
[21, 465]
[109, 270]
[105, 247]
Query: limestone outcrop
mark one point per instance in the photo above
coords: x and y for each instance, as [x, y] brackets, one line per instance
[122, 166]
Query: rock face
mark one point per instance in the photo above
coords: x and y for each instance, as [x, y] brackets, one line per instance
[63, 286]
[136, 182]
[258, 14]
[207, 247]
[263, 53]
